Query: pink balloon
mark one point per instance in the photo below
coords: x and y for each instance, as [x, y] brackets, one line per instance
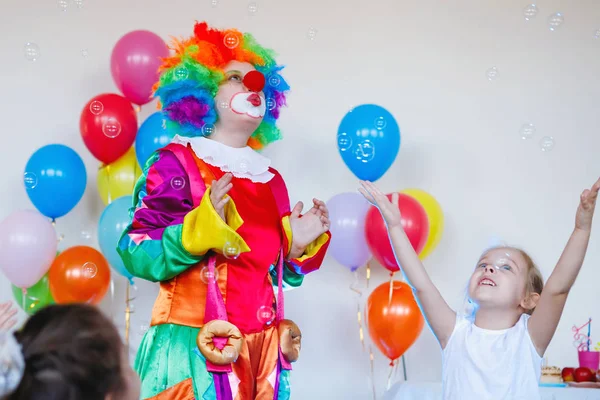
[134, 64]
[27, 247]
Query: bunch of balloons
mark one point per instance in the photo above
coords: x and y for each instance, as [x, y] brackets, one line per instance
[368, 141]
[359, 232]
[109, 128]
[55, 180]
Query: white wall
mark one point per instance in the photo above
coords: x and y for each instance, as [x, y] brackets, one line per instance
[426, 62]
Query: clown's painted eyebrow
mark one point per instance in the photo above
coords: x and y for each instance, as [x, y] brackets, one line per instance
[234, 71]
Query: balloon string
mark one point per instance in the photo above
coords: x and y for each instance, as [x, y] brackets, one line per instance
[371, 358]
[391, 289]
[404, 368]
[360, 328]
[389, 380]
[112, 293]
[368, 273]
[127, 316]
[109, 198]
[355, 288]
[60, 237]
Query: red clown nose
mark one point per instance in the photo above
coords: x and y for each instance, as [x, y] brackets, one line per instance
[254, 81]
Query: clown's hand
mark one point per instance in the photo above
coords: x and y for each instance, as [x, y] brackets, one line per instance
[218, 194]
[308, 227]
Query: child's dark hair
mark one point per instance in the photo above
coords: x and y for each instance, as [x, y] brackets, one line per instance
[71, 352]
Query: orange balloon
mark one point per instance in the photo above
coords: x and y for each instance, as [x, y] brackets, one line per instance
[393, 325]
[79, 274]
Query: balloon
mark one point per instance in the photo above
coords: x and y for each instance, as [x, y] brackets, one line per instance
[134, 64]
[55, 180]
[435, 216]
[113, 221]
[36, 297]
[27, 247]
[393, 325]
[108, 125]
[414, 222]
[119, 178]
[152, 135]
[79, 274]
[368, 140]
[348, 245]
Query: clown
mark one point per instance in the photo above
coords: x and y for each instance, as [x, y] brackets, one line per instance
[211, 222]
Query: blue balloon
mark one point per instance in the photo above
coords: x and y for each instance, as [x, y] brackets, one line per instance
[151, 136]
[55, 179]
[368, 140]
[113, 221]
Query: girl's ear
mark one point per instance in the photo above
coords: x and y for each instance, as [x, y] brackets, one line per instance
[529, 302]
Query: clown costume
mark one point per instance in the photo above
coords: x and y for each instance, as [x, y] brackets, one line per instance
[211, 221]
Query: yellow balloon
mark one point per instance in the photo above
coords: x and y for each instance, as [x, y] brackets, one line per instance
[435, 216]
[118, 179]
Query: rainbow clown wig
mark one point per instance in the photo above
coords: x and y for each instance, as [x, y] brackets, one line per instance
[190, 79]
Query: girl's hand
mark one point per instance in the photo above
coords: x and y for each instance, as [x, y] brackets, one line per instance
[218, 192]
[7, 316]
[587, 204]
[308, 227]
[389, 209]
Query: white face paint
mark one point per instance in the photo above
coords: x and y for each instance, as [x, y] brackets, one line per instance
[248, 103]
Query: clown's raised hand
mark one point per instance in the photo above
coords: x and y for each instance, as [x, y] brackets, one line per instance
[218, 194]
[308, 227]
[587, 204]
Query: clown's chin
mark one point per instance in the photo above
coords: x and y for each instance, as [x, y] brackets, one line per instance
[249, 105]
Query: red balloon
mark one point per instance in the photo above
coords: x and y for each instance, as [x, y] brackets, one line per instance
[414, 222]
[108, 126]
[79, 274]
[393, 325]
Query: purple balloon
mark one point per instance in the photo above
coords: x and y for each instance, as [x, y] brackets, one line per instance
[134, 64]
[347, 213]
[27, 247]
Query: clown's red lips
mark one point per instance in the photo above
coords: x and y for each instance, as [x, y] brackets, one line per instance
[254, 99]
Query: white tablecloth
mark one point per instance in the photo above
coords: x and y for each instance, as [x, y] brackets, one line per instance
[433, 391]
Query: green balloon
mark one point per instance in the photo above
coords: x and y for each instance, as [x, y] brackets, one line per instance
[36, 297]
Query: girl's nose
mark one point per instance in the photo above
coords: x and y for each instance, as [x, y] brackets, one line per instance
[254, 81]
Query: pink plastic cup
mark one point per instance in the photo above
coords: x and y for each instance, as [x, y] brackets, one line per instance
[589, 359]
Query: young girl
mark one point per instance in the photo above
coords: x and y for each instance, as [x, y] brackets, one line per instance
[498, 353]
[64, 352]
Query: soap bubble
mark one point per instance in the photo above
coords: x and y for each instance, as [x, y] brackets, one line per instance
[547, 143]
[527, 131]
[90, 270]
[30, 180]
[265, 315]
[111, 128]
[231, 250]
[492, 74]
[555, 21]
[32, 51]
[530, 12]
[178, 182]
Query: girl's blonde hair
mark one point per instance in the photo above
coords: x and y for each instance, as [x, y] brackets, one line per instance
[535, 281]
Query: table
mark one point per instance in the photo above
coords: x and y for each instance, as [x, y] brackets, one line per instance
[433, 391]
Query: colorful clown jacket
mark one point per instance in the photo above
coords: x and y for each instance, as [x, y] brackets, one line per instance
[174, 228]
